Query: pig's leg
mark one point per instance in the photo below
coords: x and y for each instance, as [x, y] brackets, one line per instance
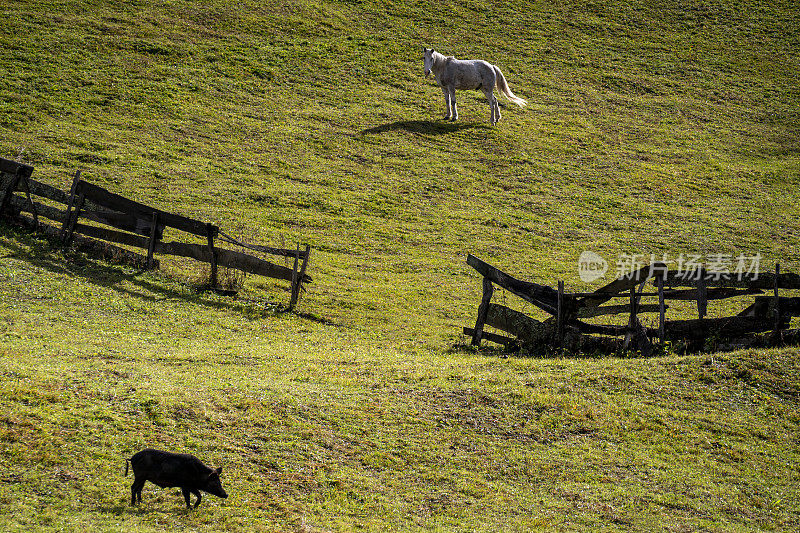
[199, 497]
[136, 490]
[186, 496]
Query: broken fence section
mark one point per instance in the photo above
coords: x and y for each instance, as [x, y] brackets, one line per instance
[764, 322]
[136, 225]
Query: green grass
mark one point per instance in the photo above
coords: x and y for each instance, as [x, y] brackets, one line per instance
[656, 127]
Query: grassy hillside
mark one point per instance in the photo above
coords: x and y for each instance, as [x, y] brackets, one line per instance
[659, 127]
[319, 428]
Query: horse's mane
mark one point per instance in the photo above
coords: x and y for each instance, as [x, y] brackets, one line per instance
[441, 59]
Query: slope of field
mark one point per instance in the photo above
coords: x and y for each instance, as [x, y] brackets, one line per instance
[321, 429]
[652, 128]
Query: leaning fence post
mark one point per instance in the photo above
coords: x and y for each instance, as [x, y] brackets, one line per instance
[305, 262]
[298, 283]
[72, 190]
[12, 186]
[32, 204]
[73, 219]
[483, 311]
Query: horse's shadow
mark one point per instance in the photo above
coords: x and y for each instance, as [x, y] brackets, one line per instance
[425, 126]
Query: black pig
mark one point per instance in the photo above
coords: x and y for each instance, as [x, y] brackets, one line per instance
[167, 469]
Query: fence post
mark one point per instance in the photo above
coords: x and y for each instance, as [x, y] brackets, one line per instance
[211, 231]
[483, 311]
[73, 218]
[12, 186]
[295, 278]
[30, 201]
[151, 245]
[661, 309]
[560, 315]
[631, 332]
[777, 303]
[72, 190]
[298, 283]
[634, 310]
[702, 294]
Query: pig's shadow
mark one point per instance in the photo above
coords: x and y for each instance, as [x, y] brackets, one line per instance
[121, 509]
[142, 509]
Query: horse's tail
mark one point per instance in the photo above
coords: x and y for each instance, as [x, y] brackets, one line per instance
[127, 462]
[502, 86]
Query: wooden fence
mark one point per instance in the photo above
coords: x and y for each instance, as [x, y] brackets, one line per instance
[764, 322]
[136, 225]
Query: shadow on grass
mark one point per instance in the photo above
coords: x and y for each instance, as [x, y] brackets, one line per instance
[425, 126]
[43, 252]
[550, 352]
[463, 348]
[119, 509]
[140, 510]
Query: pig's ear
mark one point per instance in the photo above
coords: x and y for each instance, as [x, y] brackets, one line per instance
[219, 470]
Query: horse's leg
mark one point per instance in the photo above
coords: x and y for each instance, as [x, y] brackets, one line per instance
[453, 104]
[494, 108]
[446, 102]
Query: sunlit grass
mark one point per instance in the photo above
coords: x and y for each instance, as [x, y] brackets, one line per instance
[651, 128]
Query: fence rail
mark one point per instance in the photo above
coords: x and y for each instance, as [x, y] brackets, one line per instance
[765, 321]
[136, 225]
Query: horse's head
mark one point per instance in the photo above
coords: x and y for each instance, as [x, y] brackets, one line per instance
[427, 56]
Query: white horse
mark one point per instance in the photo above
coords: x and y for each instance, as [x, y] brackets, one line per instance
[452, 74]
